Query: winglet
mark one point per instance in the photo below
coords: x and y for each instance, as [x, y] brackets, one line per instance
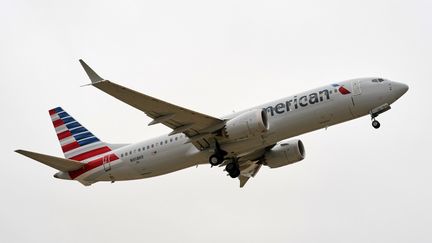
[94, 77]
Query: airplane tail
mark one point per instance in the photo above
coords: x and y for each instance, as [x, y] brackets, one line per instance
[76, 141]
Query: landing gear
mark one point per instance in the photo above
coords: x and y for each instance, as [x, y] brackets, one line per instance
[376, 111]
[218, 157]
[376, 124]
[233, 169]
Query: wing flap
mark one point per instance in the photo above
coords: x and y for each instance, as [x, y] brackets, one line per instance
[52, 161]
[248, 172]
[249, 165]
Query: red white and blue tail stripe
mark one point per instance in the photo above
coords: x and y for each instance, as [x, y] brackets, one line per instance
[76, 141]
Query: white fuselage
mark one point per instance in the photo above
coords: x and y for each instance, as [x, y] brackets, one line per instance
[287, 117]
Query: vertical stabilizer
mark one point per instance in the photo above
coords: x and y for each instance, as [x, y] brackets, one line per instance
[76, 141]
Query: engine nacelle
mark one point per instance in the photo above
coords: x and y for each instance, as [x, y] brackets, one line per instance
[248, 124]
[285, 153]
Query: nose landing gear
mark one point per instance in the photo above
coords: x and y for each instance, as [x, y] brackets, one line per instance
[376, 111]
[375, 124]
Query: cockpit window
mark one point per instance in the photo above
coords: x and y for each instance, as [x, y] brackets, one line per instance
[378, 80]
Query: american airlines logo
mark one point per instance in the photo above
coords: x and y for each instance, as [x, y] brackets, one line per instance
[341, 89]
[305, 100]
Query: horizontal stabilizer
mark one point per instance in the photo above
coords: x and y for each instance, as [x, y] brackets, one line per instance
[54, 162]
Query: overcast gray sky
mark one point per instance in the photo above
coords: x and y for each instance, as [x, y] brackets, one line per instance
[357, 184]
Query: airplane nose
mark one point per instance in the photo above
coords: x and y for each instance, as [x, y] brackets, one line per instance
[399, 88]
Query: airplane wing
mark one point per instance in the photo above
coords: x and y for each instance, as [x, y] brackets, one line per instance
[197, 126]
[248, 170]
[52, 161]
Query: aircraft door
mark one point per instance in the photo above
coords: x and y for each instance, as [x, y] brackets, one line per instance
[355, 108]
[356, 88]
[106, 163]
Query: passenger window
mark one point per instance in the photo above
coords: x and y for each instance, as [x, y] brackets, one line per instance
[176, 138]
[148, 147]
[152, 145]
[161, 143]
[130, 152]
[139, 150]
[166, 141]
[121, 155]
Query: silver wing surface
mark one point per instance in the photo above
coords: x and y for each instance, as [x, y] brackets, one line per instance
[197, 126]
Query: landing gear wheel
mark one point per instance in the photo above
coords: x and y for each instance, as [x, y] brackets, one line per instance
[219, 155]
[235, 174]
[376, 124]
[233, 169]
[215, 160]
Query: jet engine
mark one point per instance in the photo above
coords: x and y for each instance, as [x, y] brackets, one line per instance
[285, 153]
[247, 124]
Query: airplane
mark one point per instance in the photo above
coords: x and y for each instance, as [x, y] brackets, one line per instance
[242, 142]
